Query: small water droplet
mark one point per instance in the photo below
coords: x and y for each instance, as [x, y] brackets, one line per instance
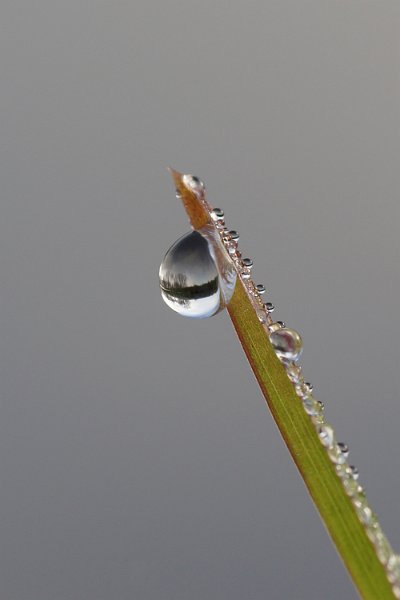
[318, 419]
[262, 315]
[342, 471]
[374, 531]
[217, 214]
[231, 247]
[224, 233]
[393, 569]
[344, 449]
[275, 327]
[396, 591]
[363, 511]
[350, 485]
[354, 472]
[194, 184]
[287, 343]
[237, 258]
[260, 288]
[294, 372]
[312, 407]
[197, 278]
[301, 388]
[247, 262]
[336, 455]
[382, 547]
[326, 435]
[270, 307]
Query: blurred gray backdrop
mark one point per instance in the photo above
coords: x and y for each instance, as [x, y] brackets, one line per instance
[138, 460]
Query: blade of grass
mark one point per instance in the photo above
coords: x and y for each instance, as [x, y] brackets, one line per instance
[318, 473]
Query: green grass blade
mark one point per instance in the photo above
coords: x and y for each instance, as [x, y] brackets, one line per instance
[314, 465]
[335, 508]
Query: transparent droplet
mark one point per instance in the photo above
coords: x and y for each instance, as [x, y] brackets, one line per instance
[350, 485]
[217, 214]
[363, 511]
[270, 307]
[353, 471]
[234, 235]
[194, 184]
[318, 419]
[275, 327]
[315, 409]
[344, 449]
[342, 471]
[262, 315]
[382, 547]
[348, 472]
[396, 591]
[374, 532]
[197, 277]
[294, 372]
[231, 247]
[336, 455]
[287, 343]
[301, 388]
[326, 435]
[393, 569]
[248, 263]
[312, 406]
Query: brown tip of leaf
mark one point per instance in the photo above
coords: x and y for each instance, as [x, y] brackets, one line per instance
[197, 213]
[176, 176]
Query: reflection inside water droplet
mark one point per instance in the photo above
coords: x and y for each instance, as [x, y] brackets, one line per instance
[197, 277]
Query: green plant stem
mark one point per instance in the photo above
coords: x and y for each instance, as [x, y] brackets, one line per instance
[315, 467]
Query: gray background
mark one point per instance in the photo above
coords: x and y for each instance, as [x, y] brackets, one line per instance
[138, 460]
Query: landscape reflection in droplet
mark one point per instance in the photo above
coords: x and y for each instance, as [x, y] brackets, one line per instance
[197, 277]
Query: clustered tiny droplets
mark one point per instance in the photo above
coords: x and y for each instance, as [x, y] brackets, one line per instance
[337, 451]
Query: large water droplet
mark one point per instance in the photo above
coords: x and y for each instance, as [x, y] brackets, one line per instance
[197, 277]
